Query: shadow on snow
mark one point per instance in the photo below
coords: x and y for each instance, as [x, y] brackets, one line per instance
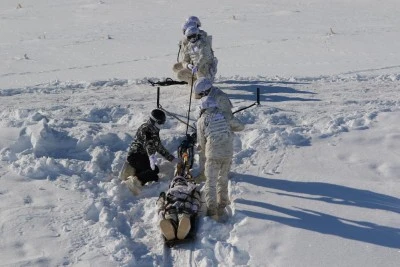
[271, 93]
[255, 82]
[324, 223]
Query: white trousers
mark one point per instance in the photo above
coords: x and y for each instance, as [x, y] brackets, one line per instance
[216, 186]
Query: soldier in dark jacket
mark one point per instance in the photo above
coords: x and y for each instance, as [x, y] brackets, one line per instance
[140, 166]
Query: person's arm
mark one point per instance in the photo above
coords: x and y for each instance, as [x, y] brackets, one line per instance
[205, 55]
[201, 140]
[154, 145]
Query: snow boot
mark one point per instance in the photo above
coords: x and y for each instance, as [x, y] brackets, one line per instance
[183, 226]
[134, 185]
[223, 215]
[213, 214]
[126, 171]
[167, 229]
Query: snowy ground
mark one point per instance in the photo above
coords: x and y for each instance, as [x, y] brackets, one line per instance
[315, 176]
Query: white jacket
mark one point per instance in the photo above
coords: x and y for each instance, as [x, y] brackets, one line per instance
[225, 106]
[200, 54]
[184, 43]
[214, 134]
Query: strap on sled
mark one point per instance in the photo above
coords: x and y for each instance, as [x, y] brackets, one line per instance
[166, 82]
[186, 154]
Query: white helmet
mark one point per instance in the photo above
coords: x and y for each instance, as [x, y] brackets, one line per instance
[194, 19]
[192, 33]
[188, 24]
[201, 86]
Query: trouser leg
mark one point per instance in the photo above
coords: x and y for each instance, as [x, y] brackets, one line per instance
[141, 164]
[126, 171]
[148, 175]
[211, 173]
[222, 183]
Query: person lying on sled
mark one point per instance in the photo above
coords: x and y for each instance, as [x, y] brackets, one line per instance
[177, 206]
[140, 166]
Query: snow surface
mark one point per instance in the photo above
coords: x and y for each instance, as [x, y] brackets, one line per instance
[316, 173]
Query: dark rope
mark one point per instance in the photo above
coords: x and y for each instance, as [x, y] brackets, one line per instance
[190, 103]
[179, 51]
[172, 115]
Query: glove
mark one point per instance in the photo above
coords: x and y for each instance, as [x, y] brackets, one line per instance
[194, 70]
[153, 161]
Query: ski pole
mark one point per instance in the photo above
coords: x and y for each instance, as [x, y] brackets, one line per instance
[158, 97]
[179, 51]
[190, 103]
[256, 103]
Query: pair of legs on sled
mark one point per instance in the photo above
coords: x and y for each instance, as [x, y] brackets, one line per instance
[173, 224]
[178, 208]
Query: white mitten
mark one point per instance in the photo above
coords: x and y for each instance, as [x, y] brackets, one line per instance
[153, 161]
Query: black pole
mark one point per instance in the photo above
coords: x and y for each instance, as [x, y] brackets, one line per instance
[256, 103]
[179, 51]
[190, 103]
[244, 108]
[158, 97]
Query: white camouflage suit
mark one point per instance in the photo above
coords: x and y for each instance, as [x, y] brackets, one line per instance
[216, 141]
[225, 106]
[199, 54]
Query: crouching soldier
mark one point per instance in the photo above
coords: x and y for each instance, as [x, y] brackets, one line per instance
[178, 208]
[140, 166]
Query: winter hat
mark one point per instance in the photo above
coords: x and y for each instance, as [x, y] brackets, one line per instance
[195, 20]
[200, 86]
[192, 30]
[188, 24]
[208, 102]
[158, 116]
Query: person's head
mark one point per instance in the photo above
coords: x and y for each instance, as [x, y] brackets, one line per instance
[188, 24]
[202, 87]
[195, 20]
[157, 117]
[178, 180]
[192, 34]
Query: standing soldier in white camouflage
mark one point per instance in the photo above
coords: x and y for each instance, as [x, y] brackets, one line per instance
[215, 138]
[191, 21]
[203, 89]
[196, 55]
